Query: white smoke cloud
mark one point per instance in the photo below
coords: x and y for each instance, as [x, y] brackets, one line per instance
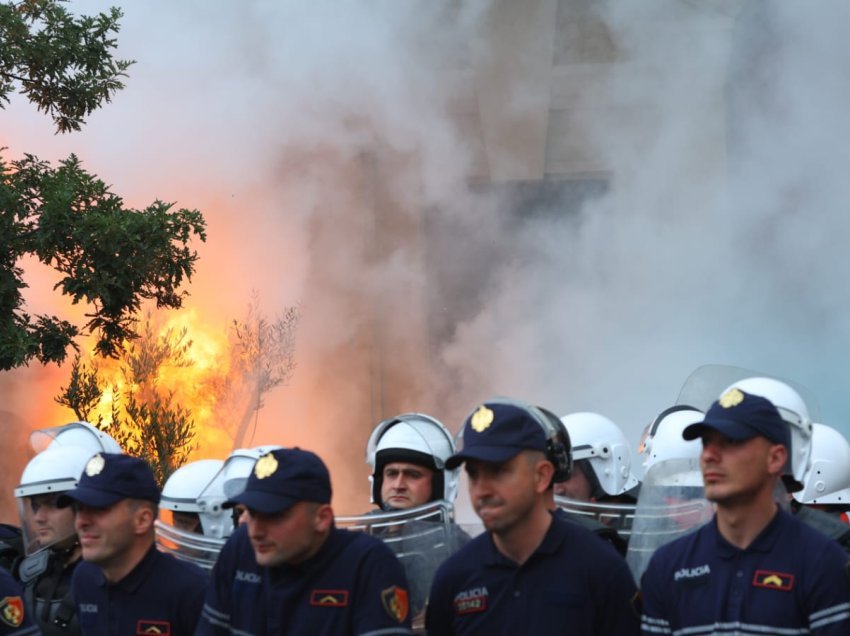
[718, 239]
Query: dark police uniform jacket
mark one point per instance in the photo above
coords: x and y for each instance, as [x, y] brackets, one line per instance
[572, 584]
[161, 595]
[353, 585]
[46, 576]
[790, 580]
[15, 619]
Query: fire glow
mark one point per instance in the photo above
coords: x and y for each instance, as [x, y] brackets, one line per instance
[194, 363]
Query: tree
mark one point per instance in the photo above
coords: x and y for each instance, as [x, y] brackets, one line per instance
[144, 399]
[145, 417]
[264, 355]
[63, 64]
[110, 257]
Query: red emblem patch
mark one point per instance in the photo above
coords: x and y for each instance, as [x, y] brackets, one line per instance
[12, 610]
[396, 602]
[329, 598]
[773, 580]
[143, 628]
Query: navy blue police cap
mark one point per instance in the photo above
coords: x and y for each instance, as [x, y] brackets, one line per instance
[738, 415]
[282, 478]
[496, 432]
[109, 478]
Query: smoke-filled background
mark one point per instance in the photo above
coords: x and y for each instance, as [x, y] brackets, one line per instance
[568, 201]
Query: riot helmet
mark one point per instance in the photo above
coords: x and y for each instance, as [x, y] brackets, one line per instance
[413, 438]
[187, 498]
[827, 481]
[663, 439]
[601, 450]
[62, 453]
[81, 434]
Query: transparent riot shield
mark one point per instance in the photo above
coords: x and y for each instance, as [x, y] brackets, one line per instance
[187, 546]
[617, 516]
[671, 504]
[705, 384]
[422, 538]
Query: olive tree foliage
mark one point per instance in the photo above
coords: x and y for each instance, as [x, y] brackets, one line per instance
[109, 257]
[149, 418]
[263, 353]
[146, 417]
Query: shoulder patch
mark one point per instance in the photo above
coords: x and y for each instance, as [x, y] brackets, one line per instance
[773, 580]
[395, 602]
[12, 610]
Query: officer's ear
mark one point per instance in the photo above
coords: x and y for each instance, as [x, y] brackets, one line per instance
[543, 472]
[144, 513]
[323, 517]
[777, 457]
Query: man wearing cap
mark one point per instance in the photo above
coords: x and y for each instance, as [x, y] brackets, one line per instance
[753, 569]
[531, 572]
[124, 584]
[289, 570]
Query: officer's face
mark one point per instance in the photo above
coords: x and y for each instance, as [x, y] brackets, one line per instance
[736, 472]
[406, 485]
[504, 494]
[577, 487]
[52, 524]
[107, 534]
[187, 522]
[291, 536]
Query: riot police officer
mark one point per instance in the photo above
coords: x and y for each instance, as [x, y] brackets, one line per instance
[407, 454]
[52, 550]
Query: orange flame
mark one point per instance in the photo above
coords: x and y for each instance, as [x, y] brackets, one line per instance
[198, 383]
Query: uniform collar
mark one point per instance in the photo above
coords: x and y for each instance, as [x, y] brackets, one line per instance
[552, 540]
[138, 574]
[764, 542]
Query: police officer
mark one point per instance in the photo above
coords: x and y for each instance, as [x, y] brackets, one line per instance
[754, 568]
[569, 509]
[52, 549]
[826, 485]
[125, 585]
[15, 619]
[192, 523]
[407, 454]
[602, 463]
[531, 572]
[289, 570]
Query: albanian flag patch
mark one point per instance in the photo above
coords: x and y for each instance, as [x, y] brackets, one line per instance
[12, 610]
[396, 602]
